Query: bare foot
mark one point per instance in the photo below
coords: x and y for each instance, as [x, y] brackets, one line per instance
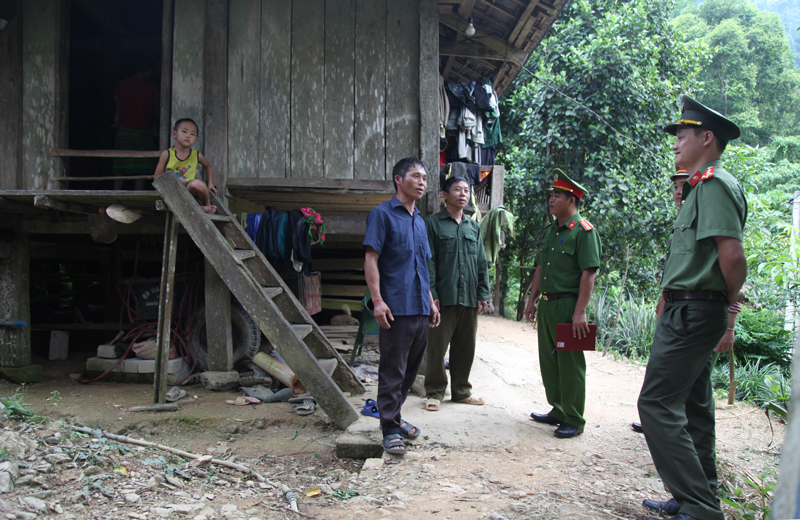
[209, 209]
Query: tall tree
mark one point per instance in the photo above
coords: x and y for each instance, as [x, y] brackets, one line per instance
[605, 80]
[752, 78]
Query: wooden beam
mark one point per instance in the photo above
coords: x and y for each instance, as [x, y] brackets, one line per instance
[335, 304]
[47, 202]
[337, 264]
[356, 291]
[59, 152]
[314, 185]
[219, 337]
[484, 38]
[215, 103]
[468, 50]
[166, 294]
[345, 225]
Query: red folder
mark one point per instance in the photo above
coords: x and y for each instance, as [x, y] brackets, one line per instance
[565, 341]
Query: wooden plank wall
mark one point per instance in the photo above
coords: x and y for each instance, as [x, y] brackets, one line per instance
[44, 108]
[11, 103]
[188, 60]
[331, 92]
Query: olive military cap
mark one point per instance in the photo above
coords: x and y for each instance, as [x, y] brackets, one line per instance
[698, 115]
[562, 182]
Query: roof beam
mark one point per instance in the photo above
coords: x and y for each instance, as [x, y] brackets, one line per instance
[522, 20]
[483, 38]
[469, 50]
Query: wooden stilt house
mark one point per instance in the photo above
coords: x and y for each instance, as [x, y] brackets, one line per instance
[298, 102]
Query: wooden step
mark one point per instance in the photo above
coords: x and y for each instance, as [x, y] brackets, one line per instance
[271, 292]
[243, 254]
[220, 218]
[302, 330]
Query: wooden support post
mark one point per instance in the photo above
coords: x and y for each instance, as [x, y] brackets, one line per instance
[164, 120]
[15, 342]
[429, 100]
[165, 309]
[219, 338]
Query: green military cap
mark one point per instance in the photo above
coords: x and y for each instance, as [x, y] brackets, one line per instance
[698, 115]
[562, 182]
[681, 174]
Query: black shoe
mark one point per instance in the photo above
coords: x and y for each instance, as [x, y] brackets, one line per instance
[637, 427]
[545, 418]
[567, 431]
[670, 507]
[681, 516]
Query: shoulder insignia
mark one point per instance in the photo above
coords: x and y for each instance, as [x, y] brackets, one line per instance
[697, 177]
[586, 225]
[571, 225]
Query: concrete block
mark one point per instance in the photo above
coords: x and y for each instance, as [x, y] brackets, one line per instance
[107, 351]
[59, 345]
[220, 380]
[146, 366]
[129, 366]
[357, 446]
[109, 363]
[94, 364]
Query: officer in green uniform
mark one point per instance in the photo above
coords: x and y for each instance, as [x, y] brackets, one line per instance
[564, 276]
[703, 274]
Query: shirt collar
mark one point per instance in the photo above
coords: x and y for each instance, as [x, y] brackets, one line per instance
[576, 218]
[395, 203]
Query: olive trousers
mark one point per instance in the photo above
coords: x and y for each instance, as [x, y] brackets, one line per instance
[676, 404]
[458, 328]
[564, 372]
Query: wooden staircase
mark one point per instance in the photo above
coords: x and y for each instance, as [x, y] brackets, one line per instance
[268, 301]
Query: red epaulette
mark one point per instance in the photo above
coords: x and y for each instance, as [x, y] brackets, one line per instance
[586, 225]
[571, 225]
[697, 177]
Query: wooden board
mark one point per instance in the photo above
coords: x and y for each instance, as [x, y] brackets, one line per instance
[11, 106]
[43, 109]
[334, 304]
[275, 89]
[215, 102]
[340, 18]
[337, 264]
[187, 65]
[244, 71]
[350, 291]
[429, 98]
[314, 185]
[370, 90]
[402, 84]
[308, 88]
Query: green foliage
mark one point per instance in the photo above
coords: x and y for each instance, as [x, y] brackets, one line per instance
[14, 408]
[760, 336]
[751, 78]
[628, 65]
[756, 383]
[789, 12]
[636, 327]
[491, 226]
[752, 505]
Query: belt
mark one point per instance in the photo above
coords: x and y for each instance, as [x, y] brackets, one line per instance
[672, 296]
[550, 297]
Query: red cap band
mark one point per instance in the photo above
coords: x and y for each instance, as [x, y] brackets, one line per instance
[562, 185]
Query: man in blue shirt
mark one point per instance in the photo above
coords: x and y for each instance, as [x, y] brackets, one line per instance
[396, 267]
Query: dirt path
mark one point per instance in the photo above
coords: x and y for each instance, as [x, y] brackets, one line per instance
[470, 462]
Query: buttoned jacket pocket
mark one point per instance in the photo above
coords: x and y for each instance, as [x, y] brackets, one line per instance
[471, 242]
[685, 236]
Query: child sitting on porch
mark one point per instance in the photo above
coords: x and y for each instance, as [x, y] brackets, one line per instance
[185, 134]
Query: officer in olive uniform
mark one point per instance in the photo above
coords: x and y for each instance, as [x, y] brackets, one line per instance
[564, 276]
[702, 277]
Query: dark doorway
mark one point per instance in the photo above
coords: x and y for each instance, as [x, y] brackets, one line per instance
[110, 41]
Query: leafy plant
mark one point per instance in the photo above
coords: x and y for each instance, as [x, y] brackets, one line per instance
[13, 407]
[755, 504]
[55, 397]
[755, 383]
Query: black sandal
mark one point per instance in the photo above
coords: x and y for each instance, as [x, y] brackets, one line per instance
[405, 430]
[394, 444]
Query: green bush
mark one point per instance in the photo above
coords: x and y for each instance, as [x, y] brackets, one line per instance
[633, 336]
[760, 336]
[756, 383]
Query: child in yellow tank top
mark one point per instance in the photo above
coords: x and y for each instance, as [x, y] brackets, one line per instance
[183, 160]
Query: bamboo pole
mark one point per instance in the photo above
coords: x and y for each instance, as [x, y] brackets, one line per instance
[176, 451]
